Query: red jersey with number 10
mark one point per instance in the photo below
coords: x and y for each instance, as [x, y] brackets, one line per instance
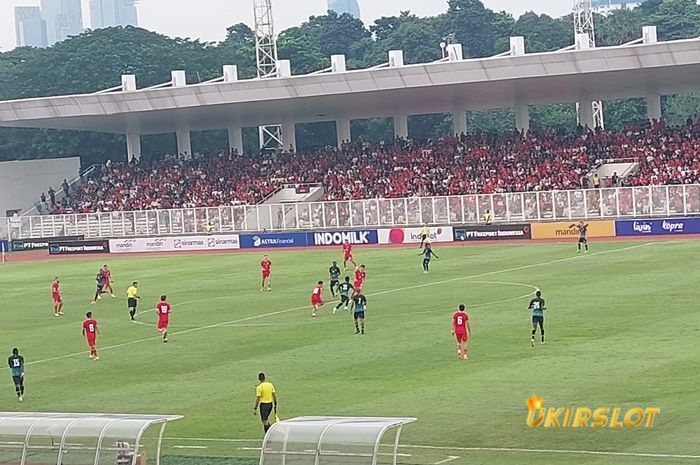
[163, 310]
[459, 322]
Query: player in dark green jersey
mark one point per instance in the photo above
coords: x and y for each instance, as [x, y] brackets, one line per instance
[538, 307]
[333, 277]
[582, 234]
[359, 303]
[427, 254]
[344, 290]
[16, 364]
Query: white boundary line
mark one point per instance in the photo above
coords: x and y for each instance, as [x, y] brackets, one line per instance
[481, 449]
[381, 315]
[306, 307]
[553, 451]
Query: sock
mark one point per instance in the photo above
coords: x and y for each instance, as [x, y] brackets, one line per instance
[267, 427]
[586, 247]
[533, 334]
[21, 388]
[132, 312]
[542, 333]
[17, 389]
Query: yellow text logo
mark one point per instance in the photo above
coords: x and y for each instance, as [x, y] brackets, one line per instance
[581, 417]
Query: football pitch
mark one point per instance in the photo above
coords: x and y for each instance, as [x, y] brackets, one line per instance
[621, 323]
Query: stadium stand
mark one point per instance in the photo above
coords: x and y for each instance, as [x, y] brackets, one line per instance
[540, 161]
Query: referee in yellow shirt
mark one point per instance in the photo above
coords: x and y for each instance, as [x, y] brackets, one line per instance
[132, 295]
[266, 399]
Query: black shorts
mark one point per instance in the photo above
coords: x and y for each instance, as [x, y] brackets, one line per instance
[18, 380]
[344, 299]
[100, 286]
[538, 320]
[334, 283]
[582, 240]
[359, 315]
[132, 302]
[265, 411]
[423, 237]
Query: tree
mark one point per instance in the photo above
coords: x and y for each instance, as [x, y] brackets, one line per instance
[543, 33]
[677, 19]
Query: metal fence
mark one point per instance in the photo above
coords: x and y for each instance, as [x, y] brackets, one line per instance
[609, 203]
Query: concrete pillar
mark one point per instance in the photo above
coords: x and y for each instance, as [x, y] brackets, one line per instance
[342, 127]
[654, 107]
[395, 58]
[184, 144]
[178, 78]
[459, 122]
[128, 82]
[235, 139]
[585, 114]
[338, 64]
[454, 52]
[649, 35]
[230, 73]
[522, 118]
[284, 68]
[289, 136]
[133, 147]
[401, 126]
[517, 46]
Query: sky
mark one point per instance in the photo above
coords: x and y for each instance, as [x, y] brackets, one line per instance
[208, 19]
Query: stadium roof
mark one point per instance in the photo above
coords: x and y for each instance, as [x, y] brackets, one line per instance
[497, 82]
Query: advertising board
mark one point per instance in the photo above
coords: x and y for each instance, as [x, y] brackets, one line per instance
[495, 232]
[568, 229]
[665, 226]
[413, 235]
[78, 247]
[175, 244]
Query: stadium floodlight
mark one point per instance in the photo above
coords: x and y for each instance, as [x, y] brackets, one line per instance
[267, 64]
[584, 24]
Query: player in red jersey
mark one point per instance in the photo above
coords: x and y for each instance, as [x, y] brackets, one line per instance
[57, 298]
[163, 310]
[90, 332]
[360, 275]
[461, 331]
[265, 267]
[347, 254]
[107, 274]
[317, 298]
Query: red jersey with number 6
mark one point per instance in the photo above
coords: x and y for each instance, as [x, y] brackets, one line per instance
[459, 322]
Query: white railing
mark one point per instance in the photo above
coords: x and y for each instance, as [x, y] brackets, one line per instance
[607, 203]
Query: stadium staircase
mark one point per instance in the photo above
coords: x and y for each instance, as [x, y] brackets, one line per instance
[284, 199]
[605, 171]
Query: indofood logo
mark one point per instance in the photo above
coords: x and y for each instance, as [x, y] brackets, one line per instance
[581, 417]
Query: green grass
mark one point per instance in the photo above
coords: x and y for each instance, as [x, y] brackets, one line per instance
[622, 327]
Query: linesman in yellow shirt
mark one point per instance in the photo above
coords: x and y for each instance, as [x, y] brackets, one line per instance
[132, 296]
[266, 399]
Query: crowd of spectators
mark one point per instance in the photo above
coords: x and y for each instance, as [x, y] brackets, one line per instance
[542, 160]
